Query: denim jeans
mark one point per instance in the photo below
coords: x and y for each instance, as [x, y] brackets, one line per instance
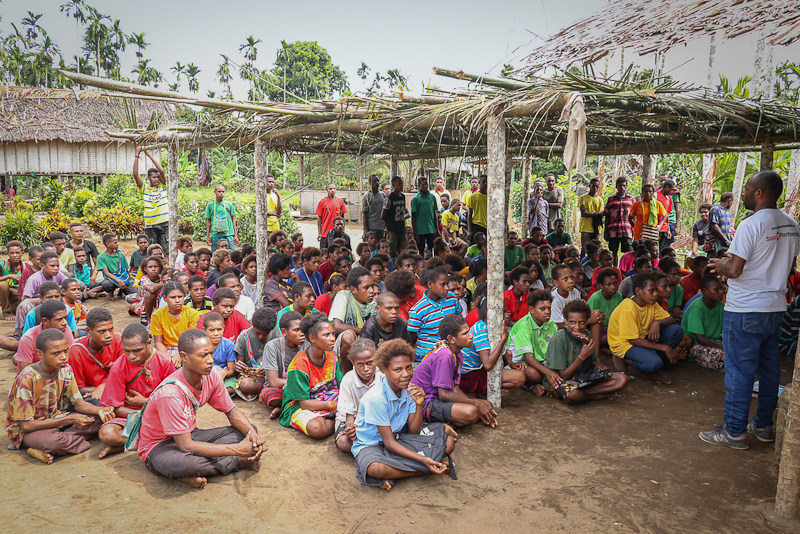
[158, 234]
[648, 361]
[228, 238]
[751, 347]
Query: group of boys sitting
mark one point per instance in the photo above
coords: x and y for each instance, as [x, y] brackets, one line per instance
[387, 354]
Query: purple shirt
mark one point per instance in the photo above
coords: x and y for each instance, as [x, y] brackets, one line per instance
[37, 279]
[439, 369]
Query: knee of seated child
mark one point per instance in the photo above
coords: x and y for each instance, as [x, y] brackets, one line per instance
[621, 380]
[316, 428]
[344, 444]
[378, 470]
[108, 432]
[517, 379]
[532, 375]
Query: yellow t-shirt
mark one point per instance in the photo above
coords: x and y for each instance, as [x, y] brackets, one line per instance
[162, 323]
[272, 205]
[450, 221]
[593, 205]
[477, 202]
[629, 321]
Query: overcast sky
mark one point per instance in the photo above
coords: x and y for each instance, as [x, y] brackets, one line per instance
[413, 35]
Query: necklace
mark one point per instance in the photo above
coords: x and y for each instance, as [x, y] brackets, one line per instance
[314, 284]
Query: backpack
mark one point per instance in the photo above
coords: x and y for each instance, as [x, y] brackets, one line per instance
[133, 424]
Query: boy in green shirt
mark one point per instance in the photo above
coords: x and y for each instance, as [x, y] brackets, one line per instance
[514, 254]
[221, 220]
[529, 338]
[607, 298]
[114, 267]
[702, 321]
[673, 271]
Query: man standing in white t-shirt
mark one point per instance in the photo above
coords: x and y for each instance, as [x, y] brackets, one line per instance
[761, 256]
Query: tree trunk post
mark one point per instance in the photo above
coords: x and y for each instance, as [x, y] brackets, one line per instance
[526, 193]
[496, 174]
[767, 155]
[738, 183]
[647, 169]
[329, 171]
[509, 186]
[786, 500]
[172, 189]
[793, 178]
[260, 156]
[302, 173]
[393, 167]
[443, 171]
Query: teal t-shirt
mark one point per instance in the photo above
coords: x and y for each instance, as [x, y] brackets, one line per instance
[513, 257]
[425, 210]
[555, 241]
[598, 302]
[562, 352]
[698, 319]
[223, 213]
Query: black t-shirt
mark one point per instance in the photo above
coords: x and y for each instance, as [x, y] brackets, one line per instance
[90, 249]
[373, 331]
[395, 211]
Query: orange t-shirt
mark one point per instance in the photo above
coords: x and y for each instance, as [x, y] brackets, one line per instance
[641, 212]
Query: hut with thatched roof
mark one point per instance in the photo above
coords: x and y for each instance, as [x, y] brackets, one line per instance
[62, 132]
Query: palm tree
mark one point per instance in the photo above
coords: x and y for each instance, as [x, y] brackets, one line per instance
[118, 42]
[248, 70]
[224, 74]
[249, 48]
[32, 22]
[137, 39]
[191, 72]
[78, 9]
[178, 69]
[96, 37]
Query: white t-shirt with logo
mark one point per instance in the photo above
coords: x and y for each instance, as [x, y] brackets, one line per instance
[557, 308]
[769, 242]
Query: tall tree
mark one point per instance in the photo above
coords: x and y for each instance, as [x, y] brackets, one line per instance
[224, 75]
[310, 73]
[191, 73]
[78, 10]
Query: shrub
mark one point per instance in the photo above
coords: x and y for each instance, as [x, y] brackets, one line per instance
[119, 190]
[78, 201]
[54, 195]
[120, 220]
[246, 221]
[54, 220]
[21, 225]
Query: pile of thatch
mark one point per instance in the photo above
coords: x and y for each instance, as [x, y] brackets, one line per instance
[37, 114]
[626, 116]
[648, 26]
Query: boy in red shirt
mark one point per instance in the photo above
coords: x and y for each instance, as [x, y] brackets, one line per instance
[130, 382]
[171, 445]
[516, 298]
[328, 209]
[92, 356]
[224, 303]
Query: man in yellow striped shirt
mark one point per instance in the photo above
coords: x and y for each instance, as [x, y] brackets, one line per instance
[156, 204]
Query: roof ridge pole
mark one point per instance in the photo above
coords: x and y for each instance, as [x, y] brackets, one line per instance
[496, 175]
[172, 194]
[260, 161]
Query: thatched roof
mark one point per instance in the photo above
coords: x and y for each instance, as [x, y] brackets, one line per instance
[36, 114]
[648, 26]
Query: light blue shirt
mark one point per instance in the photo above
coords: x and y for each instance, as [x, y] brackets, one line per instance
[380, 406]
[30, 320]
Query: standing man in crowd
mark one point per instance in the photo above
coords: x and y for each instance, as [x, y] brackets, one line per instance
[156, 203]
[555, 198]
[760, 257]
[328, 209]
[423, 217]
[439, 190]
[719, 220]
[618, 230]
[221, 220]
[274, 208]
[372, 208]
[77, 242]
[478, 207]
[591, 207]
[664, 196]
[674, 215]
[538, 209]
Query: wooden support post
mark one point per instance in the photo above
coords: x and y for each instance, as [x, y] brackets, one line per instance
[329, 171]
[792, 181]
[496, 153]
[509, 220]
[738, 183]
[526, 193]
[302, 174]
[767, 155]
[393, 167]
[788, 495]
[260, 157]
[443, 171]
[647, 169]
[172, 191]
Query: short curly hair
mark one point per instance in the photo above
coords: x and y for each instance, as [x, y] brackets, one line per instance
[391, 349]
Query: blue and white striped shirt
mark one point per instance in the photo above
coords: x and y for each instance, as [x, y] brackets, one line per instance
[424, 319]
[480, 341]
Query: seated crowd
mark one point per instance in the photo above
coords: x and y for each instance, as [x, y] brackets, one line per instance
[384, 347]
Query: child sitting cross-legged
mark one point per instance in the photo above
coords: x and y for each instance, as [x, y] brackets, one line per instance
[702, 320]
[224, 356]
[606, 300]
[529, 339]
[312, 381]
[439, 376]
[36, 418]
[355, 384]
[278, 354]
[389, 425]
[571, 354]
[386, 324]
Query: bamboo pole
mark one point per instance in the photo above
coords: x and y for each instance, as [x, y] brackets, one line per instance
[738, 183]
[302, 174]
[260, 160]
[787, 499]
[496, 174]
[329, 170]
[172, 191]
[526, 193]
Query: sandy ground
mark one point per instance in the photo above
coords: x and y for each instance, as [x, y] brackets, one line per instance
[630, 465]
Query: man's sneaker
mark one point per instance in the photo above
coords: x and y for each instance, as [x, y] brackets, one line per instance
[721, 436]
[767, 435]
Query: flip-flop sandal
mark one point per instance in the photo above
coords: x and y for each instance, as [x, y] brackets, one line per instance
[452, 468]
[631, 378]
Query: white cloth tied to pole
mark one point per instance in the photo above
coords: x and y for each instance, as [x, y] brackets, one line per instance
[575, 148]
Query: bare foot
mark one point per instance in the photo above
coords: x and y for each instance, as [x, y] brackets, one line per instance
[386, 485]
[108, 451]
[8, 317]
[110, 296]
[253, 465]
[41, 456]
[275, 412]
[451, 432]
[195, 482]
[538, 390]
[658, 378]
[619, 364]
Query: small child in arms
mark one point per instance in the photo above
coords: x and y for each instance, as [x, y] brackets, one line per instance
[389, 425]
[571, 354]
[354, 385]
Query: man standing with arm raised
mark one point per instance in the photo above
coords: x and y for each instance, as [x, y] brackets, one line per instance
[156, 204]
[761, 256]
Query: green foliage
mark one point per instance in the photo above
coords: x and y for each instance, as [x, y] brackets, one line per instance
[78, 201]
[119, 220]
[395, 80]
[308, 70]
[54, 220]
[519, 205]
[54, 196]
[119, 189]
[21, 225]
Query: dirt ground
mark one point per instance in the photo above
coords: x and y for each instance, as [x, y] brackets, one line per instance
[630, 465]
